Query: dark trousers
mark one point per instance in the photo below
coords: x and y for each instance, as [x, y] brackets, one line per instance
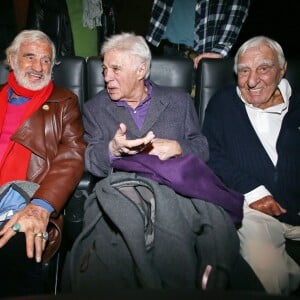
[19, 275]
[167, 48]
[243, 278]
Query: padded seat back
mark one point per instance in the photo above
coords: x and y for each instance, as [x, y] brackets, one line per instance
[4, 70]
[173, 72]
[95, 80]
[70, 73]
[293, 73]
[165, 71]
[213, 74]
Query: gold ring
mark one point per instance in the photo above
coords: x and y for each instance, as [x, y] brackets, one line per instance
[39, 234]
[43, 235]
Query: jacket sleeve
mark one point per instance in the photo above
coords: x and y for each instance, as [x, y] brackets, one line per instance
[97, 160]
[194, 142]
[231, 25]
[66, 167]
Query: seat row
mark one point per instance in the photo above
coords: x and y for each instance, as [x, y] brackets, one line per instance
[84, 77]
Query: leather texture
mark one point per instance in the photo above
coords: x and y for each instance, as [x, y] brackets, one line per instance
[70, 72]
[4, 70]
[43, 133]
[54, 230]
[211, 75]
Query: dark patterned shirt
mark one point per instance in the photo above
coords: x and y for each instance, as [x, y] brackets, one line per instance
[218, 23]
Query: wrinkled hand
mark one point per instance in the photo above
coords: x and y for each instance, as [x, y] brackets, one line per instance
[33, 219]
[165, 149]
[205, 55]
[269, 206]
[119, 145]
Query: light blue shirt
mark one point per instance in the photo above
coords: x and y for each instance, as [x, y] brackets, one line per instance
[181, 24]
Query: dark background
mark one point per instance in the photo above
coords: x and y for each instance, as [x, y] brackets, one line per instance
[277, 19]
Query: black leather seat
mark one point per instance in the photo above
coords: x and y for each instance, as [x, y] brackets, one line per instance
[4, 70]
[165, 71]
[70, 72]
[173, 72]
[211, 75]
[293, 73]
[95, 82]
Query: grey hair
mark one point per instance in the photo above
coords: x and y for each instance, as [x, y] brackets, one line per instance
[257, 41]
[29, 36]
[131, 43]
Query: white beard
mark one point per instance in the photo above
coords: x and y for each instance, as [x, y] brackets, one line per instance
[23, 81]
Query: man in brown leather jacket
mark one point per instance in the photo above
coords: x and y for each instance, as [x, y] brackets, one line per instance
[41, 141]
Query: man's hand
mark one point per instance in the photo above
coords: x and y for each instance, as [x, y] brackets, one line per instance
[205, 55]
[269, 206]
[165, 149]
[119, 145]
[33, 221]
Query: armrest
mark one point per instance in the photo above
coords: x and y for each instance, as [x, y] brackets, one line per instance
[74, 209]
[86, 183]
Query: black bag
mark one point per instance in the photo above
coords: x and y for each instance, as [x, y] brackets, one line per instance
[141, 234]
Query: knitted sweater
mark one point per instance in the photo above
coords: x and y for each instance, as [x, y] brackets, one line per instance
[240, 160]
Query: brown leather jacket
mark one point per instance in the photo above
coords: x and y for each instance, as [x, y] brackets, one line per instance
[54, 134]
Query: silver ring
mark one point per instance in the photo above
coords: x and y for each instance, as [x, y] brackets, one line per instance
[16, 227]
[45, 236]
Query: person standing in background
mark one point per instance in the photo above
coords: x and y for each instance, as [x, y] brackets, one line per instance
[92, 21]
[8, 26]
[52, 17]
[196, 28]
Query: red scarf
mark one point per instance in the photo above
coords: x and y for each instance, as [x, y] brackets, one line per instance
[15, 161]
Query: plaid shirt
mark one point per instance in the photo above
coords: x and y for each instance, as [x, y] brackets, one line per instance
[218, 23]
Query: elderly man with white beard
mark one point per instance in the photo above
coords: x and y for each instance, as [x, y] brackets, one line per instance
[41, 142]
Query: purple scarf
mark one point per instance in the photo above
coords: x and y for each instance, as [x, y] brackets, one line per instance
[188, 176]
